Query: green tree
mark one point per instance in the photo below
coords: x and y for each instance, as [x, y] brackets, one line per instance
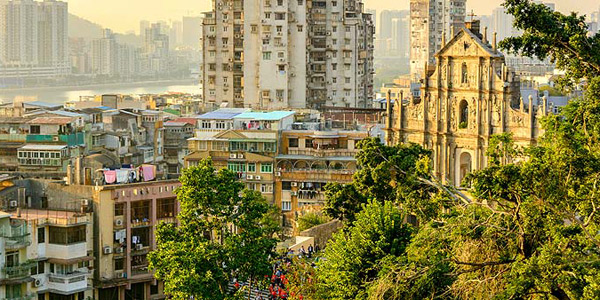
[352, 258]
[224, 232]
[531, 230]
[401, 174]
[311, 220]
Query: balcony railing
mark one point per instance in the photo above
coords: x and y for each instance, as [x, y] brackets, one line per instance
[19, 271]
[67, 278]
[139, 270]
[16, 237]
[13, 137]
[73, 139]
[322, 152]
[24, 297]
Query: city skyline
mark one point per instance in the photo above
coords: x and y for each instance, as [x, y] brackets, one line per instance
[120, 20]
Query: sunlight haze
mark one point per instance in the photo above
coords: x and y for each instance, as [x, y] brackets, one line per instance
[123, 16]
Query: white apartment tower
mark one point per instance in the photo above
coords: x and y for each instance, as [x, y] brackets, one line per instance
[277, 54]
[429, 21]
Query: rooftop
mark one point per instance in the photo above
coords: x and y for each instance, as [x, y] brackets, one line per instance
[42, 104]
[222, 114]
[51, 120]
[42, 147]
[265, 116]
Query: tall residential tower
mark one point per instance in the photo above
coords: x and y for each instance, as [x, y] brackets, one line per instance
[276, 54]
[430, 20]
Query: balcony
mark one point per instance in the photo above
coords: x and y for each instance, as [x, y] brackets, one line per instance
[20, 271]
[68, 283]
[66, 252]
[13, 137]
[74, 139]
[323, 175]
[24, 297]
[322, 152]
[139, 270]
[16, 237]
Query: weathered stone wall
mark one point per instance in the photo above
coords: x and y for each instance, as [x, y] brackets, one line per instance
[322, 233]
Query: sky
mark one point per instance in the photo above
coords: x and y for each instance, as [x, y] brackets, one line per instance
[125, 15]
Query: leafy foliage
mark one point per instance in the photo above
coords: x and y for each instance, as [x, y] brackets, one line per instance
[531, 226]
[352, 257]
[224, 232]
[401, 174]
[311, 220]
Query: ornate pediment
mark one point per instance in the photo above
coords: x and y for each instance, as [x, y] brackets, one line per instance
[465, 43]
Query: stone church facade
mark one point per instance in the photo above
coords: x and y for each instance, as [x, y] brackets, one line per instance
[466, 98]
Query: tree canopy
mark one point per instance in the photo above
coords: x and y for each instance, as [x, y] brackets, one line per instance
[530, 228]
[224, 232]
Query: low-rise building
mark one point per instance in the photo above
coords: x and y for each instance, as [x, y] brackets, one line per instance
[308, 160]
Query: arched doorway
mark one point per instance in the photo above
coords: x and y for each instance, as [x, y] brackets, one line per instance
[465, 166]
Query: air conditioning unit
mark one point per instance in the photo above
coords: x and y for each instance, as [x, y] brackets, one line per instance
[120, 275]
[232, 155]
[55, 139]
[119, 250]
[258, 177]
[328, 32]
[264, 21]
[293, 74]
[250, 177]
[119, 222]
[240, 155]
[282, 60]
[107, 250]
[278, 174]
[139, 246]
[294, 184]
[38, 282]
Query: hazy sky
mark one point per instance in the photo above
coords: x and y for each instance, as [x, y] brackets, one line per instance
[125, 15]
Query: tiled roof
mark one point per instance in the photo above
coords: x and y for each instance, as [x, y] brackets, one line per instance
[51, 121]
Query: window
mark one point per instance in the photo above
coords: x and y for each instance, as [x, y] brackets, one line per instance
[119, 209]
[286, 185]
[308, 143]
[41, 235]
[293, 143]
[464, 73]
[334, 66]
[266, 188]
[119, 264]
[281, 68]
[267, 15]
[34, 129]
[279, 17]
[266, 168]
[67, 235]
[237, 167]
[154, 289]
[266, 55]
[286, 205]
[269, 147]
[299, 28]
[300, 2]
[254, 28]
[464, 114]
[251, 168]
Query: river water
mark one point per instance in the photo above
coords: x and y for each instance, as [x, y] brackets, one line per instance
[59, 95]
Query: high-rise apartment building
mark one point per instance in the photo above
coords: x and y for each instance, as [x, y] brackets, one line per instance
[276, 54]
[430, 20]
[34, 38]
[156, 49]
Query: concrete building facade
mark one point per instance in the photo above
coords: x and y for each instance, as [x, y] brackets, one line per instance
[276, 54]
[430, 21]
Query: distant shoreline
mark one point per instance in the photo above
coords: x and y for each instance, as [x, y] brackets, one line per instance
[101, 85]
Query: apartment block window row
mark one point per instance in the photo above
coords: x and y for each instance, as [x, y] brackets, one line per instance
[67, 235]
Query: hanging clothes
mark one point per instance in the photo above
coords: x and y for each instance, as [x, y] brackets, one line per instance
[148, 171]
[110, 176]
[122, 175]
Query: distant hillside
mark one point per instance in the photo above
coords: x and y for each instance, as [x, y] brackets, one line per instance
[82, 28]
